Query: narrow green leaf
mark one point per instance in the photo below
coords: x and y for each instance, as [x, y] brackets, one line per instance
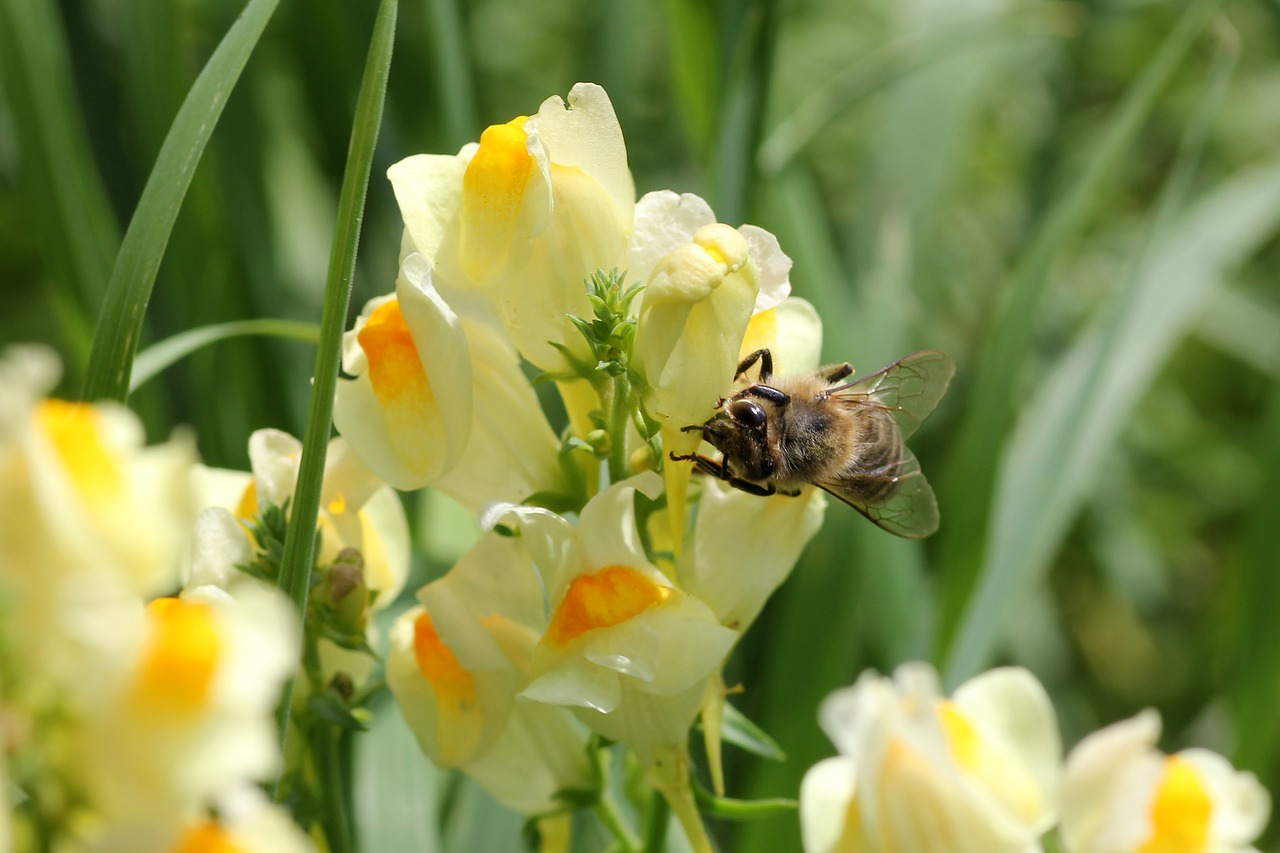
[969, 481]
[1056, 454]
[299, 549]
[159, 356]
[691, 28]
[134, 274]
[744, 734]
[328, 706]
[64, 196]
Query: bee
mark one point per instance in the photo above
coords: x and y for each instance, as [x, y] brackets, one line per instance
[780, 433]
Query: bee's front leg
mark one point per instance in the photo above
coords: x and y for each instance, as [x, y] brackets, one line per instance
[705, 464]
[750, 487]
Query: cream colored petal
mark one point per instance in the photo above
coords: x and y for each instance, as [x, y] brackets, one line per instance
[664, 221]
[1241, 805]
[512, 451]
[607, 527]
[274, 457]
[494, 582]
[1015, 715]
[542, 751]
[799, 341]
[428, 189]
[385, 546]
[549, 539]
[219, 544]
[773, 264]
[573, 681]
[745, 546]
[586, 135]
[826, 794]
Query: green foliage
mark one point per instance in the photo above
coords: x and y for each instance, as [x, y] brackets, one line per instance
[1076, 200]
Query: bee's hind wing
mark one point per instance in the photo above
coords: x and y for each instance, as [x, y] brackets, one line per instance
[897, 498]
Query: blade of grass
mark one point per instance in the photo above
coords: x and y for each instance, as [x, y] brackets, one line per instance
[742, 106]
[134, 274]
[898, 59]
[969, 481]
[453, 69]
[1056, 454]
[155, 358]
[1253, 669]
[66, 197]
[299, 546]
[691, 32]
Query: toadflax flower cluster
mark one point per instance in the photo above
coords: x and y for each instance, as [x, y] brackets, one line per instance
[983, 771]
[133, 719]
[603, 599]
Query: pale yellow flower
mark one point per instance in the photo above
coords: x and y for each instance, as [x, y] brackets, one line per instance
[407, 411]
[1122, 795]
[922, 773]
[456, 665]
[627, 650]
[181, 709]
[526, 215]
[704, 280]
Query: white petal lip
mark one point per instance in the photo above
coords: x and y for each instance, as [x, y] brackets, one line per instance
[664, 221]
[586, 134]
[773, 266]
[428, 188]
[1011, 708]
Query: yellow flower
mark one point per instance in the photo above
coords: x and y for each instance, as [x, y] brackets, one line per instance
[704, 280]
[629, 652]
[407, 411]
[182, 708]
[526, 215]
[922, 773]
[456, 665]
[1122, 795]
[79, 488]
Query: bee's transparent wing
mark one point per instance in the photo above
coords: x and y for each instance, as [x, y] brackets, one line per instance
[910, 388]
[896, 498]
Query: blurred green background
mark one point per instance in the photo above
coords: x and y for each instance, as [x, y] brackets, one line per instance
[1079, 200]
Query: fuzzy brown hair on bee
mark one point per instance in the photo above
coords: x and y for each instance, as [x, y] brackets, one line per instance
[779, 434]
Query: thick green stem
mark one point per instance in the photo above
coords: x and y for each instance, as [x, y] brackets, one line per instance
[655, 825]
[619, 417]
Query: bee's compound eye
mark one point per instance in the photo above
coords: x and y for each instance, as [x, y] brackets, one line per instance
[747, 412]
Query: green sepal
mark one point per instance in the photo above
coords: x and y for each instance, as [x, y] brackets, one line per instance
[331, 708]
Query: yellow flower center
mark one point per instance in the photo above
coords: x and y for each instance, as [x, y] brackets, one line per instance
[180, 657]
[493, 192]
[248, 506]
[994, 768]
[207, 837]
[602, 600]
[1180, 810]
[76, 432]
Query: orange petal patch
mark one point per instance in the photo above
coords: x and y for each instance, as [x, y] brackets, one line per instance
[395, 370]
[602, 600]
[453, 685]
[207, 837]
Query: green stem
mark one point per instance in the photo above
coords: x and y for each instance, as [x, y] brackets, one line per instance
[655, 825]
[606, 808]
[299, 546]
[619, 415]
